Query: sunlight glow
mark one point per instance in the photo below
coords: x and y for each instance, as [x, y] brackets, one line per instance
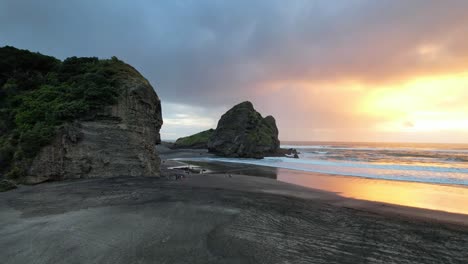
[429, 51]
[422, 104]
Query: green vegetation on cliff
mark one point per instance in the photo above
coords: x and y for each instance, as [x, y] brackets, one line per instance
[199, 140]
[243, 132]
[39, 93]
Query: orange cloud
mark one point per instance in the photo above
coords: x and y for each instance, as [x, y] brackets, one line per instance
[353, 110]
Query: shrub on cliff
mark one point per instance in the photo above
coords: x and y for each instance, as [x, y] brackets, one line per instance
[198, 140]
[39, 93]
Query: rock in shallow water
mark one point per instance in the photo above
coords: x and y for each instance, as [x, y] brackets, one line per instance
[242, 132]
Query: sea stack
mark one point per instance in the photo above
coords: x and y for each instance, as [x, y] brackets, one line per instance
[242, 132]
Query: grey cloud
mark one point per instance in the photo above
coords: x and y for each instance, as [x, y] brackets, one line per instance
[218, 52]
[206, 51]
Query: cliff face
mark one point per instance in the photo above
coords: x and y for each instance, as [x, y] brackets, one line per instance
[243, 132]
[119, 140]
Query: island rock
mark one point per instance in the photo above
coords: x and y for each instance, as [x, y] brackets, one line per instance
[243, 132]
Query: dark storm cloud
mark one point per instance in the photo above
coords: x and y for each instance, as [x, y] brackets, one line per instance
[206, 51]
[199, 53]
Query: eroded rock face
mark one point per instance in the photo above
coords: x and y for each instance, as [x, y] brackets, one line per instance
[118, 141]
[243, 132]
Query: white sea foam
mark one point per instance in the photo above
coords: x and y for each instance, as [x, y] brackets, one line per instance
[431, 163]
[322, 147]
[387, 172]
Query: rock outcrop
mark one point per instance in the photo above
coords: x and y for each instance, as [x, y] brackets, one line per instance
[119, 140]
[195, 141]
[242, 132]
[6, 185]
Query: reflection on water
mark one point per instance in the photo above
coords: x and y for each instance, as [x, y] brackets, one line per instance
[449, 198]
[429, 196]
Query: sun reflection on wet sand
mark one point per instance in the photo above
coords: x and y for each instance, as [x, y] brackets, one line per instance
[447, 198]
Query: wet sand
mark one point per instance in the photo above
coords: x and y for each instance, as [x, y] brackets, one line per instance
[224, 217]
[215, 219]
[447, 198]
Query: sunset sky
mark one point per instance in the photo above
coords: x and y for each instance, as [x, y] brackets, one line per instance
[355, 70]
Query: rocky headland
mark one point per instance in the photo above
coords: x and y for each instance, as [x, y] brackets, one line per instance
[77, 118]
[241, 132]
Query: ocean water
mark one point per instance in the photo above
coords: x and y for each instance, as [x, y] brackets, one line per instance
[429, 163]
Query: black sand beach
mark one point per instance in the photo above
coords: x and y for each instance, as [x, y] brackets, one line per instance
[217, 218]
[199, 132]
